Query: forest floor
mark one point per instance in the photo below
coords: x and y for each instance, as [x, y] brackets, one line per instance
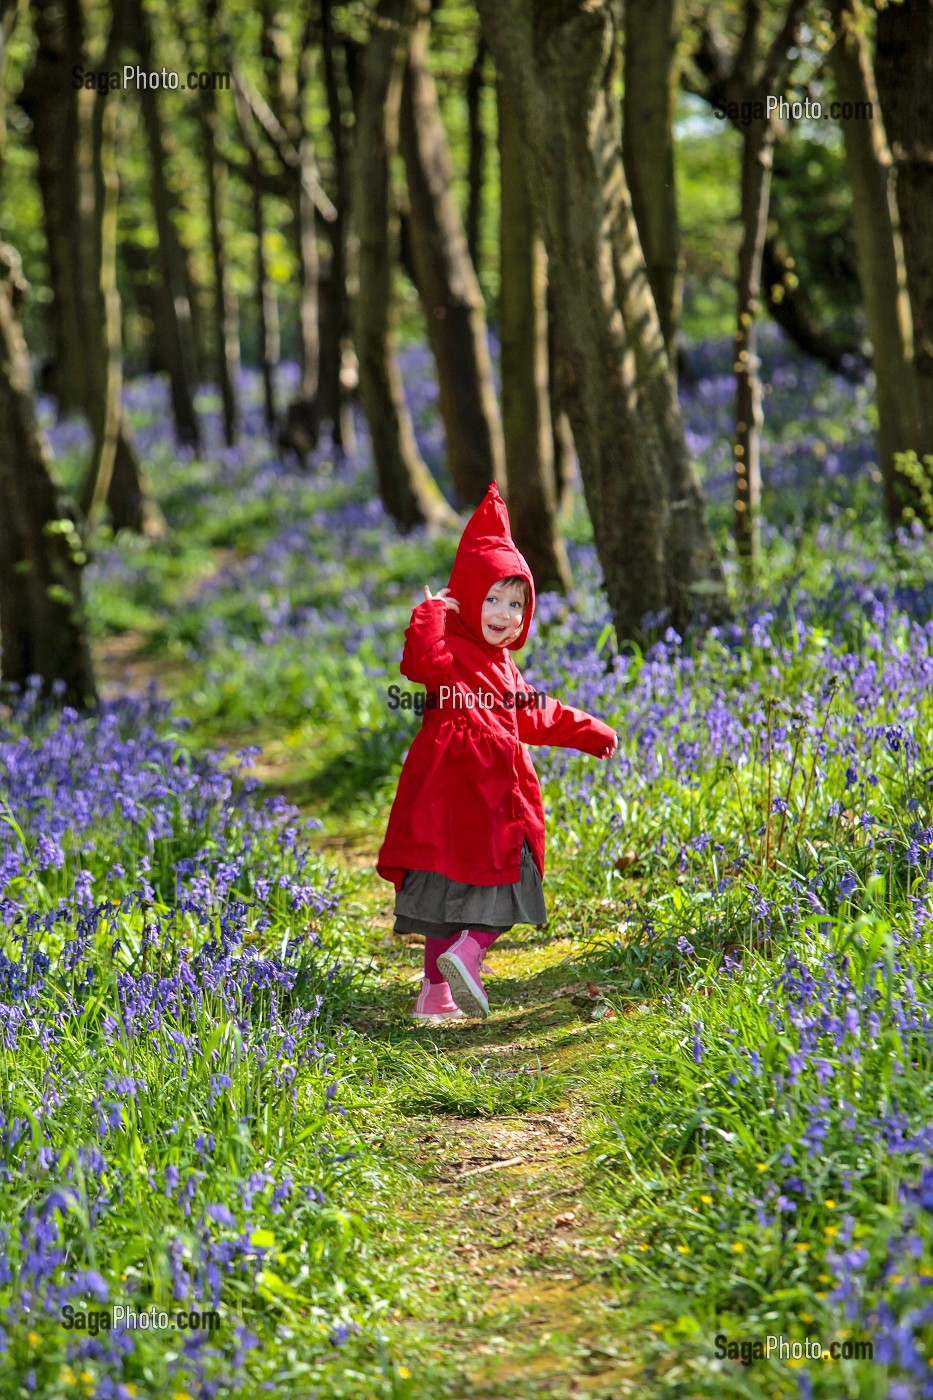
[517, 1292]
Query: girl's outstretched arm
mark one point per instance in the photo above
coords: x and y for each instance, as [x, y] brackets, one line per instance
[561, 726]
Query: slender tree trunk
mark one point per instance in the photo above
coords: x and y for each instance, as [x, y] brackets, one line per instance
[880, 255]
[266, 311]
[226, 337]
[336, 346]
[644, 500]
[448, 287]
[904, 74]
[73, 138]
[757, 160]
[526, 408]
[42, 621]
[477, 145]
[562, 433]
[652, 29]
[406, 487]
[181, 363]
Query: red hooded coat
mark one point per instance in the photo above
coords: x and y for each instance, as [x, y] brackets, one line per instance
[468, 793]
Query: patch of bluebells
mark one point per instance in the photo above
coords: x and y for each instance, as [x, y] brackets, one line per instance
[108, 997]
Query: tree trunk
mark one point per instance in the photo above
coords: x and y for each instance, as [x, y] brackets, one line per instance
[307, 405]
[904, 74]
[653, 541]
[406, 487]
[448, 288]
[336, 347]
[175, 307]
[652, 29]
[225, 322]
[562, 433]
[757, 160]
[526, 408]
[42, 621]
[880, 255]
[73, 137]
[477, 146]
[266, 311]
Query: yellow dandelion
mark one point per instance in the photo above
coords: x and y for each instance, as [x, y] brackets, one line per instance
[67, 1376]
[86, 1376]
[33, 1339]
[739, 1247]
[762, 1166]
[644, 1248]
[823, 1278]
[830, 1230]
[805, 1317]
[897, 1278]
[404, 1372]
[801, 1248]
[657, 1326]
[181, 1395]
[830, 1205]
[682, 1249]
[707, 1200]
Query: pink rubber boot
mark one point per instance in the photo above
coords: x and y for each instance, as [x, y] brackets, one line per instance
[461, 965]
[435, 1004]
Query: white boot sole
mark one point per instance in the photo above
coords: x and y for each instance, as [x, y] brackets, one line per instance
[465, 991]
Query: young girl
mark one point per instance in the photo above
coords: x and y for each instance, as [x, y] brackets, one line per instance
[465, 841]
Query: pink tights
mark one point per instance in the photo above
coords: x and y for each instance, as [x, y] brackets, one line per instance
[433, 947]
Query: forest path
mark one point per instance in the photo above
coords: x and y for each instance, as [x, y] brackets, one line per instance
[516, 1290]
[518, 1275]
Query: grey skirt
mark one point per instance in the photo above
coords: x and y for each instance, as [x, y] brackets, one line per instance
[436, 907]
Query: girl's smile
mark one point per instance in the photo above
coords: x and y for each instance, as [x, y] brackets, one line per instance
[503, 613]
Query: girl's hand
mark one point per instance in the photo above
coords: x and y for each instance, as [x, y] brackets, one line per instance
[441, 593]
[611, 747]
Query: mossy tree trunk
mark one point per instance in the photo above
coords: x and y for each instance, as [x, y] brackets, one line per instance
[880, 254]
[406, 487]
[656, 551]
[904, 75]
[526, 405]
[651, 81]
[42, 622]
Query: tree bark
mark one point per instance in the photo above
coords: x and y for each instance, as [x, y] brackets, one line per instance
[448, 288]
[225, 327]
[406, 487]
[476, 168]
[73, 138]
[337, 356]
[652, 29]
[42, 622]
[880, 255]
[657, 555]
[175, 307]
[266, 310]
[904, 74]
[526, 408]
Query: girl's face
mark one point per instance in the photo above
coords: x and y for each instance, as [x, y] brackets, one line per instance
[503, 613]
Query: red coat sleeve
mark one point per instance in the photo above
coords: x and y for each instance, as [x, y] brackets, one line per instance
[426, 658]
[559, 725]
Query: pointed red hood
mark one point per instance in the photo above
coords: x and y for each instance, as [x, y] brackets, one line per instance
[487, 553]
